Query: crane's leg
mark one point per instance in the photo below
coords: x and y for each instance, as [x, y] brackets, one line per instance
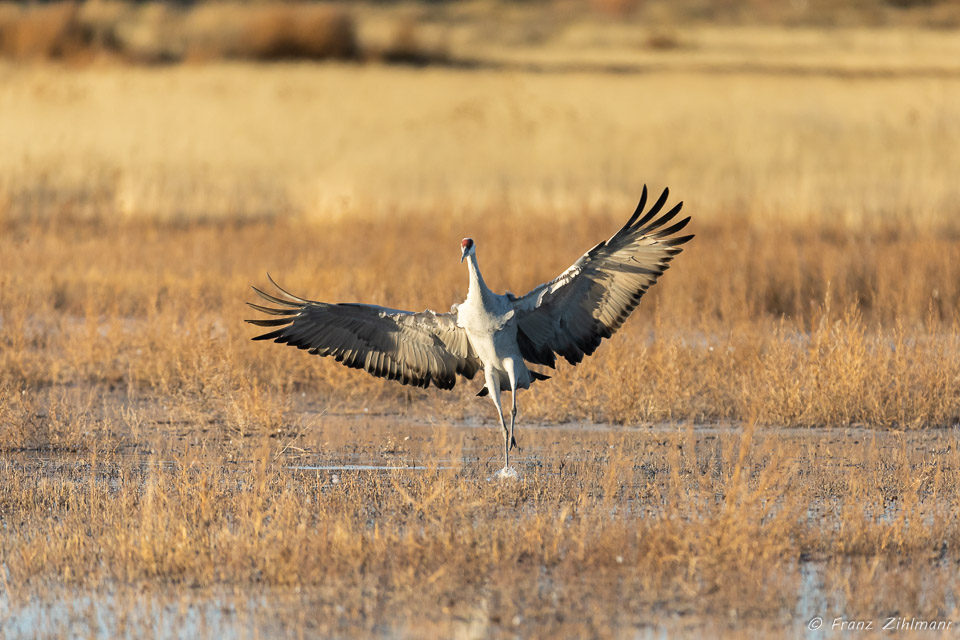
[513, 418]
[493, 385]
[512, 375]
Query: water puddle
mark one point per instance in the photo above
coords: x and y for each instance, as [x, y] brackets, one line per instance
[367, 467]
[131, 615]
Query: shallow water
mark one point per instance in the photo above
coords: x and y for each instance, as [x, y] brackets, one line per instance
[367, 467]
[228, 615]
[134, 615]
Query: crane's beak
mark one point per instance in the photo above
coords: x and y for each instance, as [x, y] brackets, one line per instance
[463, 254]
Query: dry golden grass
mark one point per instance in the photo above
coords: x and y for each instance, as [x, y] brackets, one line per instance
[771, 436]
[809, 328]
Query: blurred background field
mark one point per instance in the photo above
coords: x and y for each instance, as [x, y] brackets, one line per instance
[784, 402]
[756, 108]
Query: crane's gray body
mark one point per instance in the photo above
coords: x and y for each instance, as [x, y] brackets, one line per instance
[489, 320]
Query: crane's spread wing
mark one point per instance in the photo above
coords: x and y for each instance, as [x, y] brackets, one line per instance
[571, 314]
[412, 348]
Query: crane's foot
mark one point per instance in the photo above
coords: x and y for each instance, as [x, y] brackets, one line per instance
[514, 445]
[507, 473]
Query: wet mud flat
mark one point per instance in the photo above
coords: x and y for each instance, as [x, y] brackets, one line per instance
[392, 526]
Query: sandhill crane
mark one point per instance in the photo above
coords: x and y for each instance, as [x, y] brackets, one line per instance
[568, 316]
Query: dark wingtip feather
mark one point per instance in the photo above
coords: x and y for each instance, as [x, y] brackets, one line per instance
[669, 231]
[654, 210]
[272, 335]
[275, 300]
[271, 311]
[271, 322]
[639, 209]
[662, 220]
[285, 292]
[676, 242]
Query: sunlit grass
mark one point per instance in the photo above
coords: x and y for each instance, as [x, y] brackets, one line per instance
[793, 329]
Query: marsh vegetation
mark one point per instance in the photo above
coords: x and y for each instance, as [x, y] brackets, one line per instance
[771, 436]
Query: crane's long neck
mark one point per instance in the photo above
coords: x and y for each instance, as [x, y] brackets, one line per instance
[477, 286]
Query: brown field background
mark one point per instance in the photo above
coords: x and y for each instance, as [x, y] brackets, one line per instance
[770, 437]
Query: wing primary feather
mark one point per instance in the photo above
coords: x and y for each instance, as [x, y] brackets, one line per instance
[669, 231]
[271, 322]
[285, 292]
[654, 210]
[269, 298]
[273, 335]
[662, 220]
[676, 242]
[639, 210]
[271, 311]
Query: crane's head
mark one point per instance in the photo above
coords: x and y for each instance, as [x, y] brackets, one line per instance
[467, 247]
